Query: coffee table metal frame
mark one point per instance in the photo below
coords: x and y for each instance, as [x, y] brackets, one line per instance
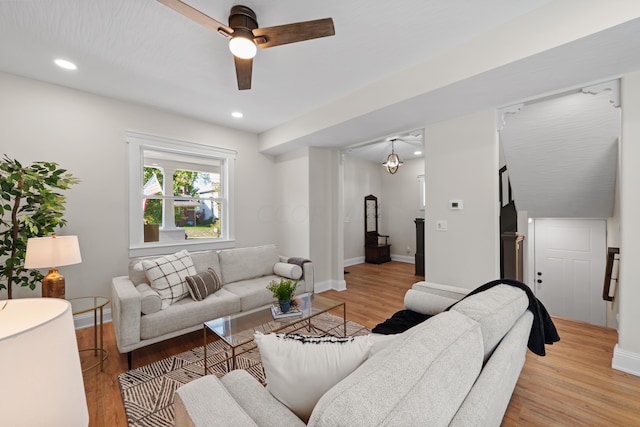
[237, 330]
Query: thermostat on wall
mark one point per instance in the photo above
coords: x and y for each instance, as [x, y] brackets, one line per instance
[455, 204]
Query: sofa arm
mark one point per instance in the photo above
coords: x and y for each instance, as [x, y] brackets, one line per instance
[453, 292]
[307, 274]
[432, 298]
[126, 310]
[206, 402]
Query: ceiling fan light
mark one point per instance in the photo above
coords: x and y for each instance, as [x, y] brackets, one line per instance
[242, 44]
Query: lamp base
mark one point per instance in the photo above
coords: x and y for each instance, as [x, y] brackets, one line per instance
[53, 284]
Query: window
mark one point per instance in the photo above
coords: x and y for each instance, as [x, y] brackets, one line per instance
[180, 195]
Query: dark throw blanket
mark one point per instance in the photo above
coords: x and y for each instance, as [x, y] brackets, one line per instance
[400, 322]
[543, 331]
[298, 261]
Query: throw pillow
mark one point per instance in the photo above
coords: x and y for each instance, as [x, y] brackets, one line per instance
[167, 276]
[290, 271]
[203, 284]
[300, 370]
[150, 300]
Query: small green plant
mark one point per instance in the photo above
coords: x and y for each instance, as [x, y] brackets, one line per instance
[284, 289]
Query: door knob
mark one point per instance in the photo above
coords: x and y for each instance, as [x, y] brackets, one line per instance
[539, 281]
[539, 273]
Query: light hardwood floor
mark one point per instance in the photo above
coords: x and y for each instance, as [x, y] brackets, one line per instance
[573, 385]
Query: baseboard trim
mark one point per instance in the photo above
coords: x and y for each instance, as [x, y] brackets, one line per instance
[626, 361]
[336, 285]
[85, 320]
[360, 260]
[353, 261]
[403, 258]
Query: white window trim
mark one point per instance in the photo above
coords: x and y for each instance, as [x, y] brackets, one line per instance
[138, 142]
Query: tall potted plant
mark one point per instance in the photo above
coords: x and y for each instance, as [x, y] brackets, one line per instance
[30, 207]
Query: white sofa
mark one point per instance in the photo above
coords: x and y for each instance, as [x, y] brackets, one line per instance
[243, 272]
[458, 368]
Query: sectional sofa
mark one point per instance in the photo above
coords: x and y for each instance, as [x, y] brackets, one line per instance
[458, 368]
[243, 273]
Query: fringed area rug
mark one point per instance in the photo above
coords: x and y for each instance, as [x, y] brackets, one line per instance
[147, 392]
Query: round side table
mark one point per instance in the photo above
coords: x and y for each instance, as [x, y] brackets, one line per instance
[95, 304]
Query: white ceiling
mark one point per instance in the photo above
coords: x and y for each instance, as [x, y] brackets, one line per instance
[144, 52]
[407, 145]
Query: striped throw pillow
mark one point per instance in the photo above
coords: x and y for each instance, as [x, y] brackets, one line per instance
[203, 284]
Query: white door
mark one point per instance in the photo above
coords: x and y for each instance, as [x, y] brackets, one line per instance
[570, 257]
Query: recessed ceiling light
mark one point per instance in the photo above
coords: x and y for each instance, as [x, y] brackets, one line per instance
[63, 63]
[237, 114]
[417, 153]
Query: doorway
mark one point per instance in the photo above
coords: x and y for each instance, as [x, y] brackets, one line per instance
[569, 264]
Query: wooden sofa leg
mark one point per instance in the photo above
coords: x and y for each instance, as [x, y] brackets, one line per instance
[129, 358]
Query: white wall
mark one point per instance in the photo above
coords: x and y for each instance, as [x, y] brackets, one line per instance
[627, 351]
[462, 163]
[85, 134]
[397, 202]
[400, 208]
[322, 226]
[292, 197]
[361, 178]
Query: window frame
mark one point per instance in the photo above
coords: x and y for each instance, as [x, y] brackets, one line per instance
[137, 144]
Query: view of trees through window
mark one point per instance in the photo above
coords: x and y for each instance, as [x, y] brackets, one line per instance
[196, 202]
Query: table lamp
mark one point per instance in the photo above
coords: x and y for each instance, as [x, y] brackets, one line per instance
[41, 381]
[52, 252]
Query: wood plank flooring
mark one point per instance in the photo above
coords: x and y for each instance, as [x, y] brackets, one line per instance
[573, 385]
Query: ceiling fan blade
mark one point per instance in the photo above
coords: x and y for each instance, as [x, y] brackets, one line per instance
[243, 72]
[197, 16]
[291, 33]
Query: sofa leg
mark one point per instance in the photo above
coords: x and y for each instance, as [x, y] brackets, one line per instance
[129, 358]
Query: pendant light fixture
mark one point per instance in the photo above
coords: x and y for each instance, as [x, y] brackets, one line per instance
[393, 162]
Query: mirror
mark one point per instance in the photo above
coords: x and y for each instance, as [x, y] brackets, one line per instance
[371, 215]
[371, 220]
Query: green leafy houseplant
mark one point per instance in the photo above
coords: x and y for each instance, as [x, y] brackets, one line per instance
[283, 290]
[30, 207]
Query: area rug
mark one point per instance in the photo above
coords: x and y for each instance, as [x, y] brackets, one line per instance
[147, 392]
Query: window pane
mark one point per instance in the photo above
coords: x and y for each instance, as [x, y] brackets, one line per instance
[201, 221]
[195, 183]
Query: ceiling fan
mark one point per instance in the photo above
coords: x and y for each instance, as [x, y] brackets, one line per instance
[244, 34]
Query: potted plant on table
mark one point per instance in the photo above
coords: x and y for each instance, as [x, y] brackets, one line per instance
[283, 291]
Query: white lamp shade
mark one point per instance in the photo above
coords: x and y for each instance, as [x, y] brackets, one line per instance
[41, 382]
[45, 252]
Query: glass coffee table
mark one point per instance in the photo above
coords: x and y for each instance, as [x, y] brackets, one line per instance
[237, 330]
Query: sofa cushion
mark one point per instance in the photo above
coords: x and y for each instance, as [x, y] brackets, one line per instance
[420, 381]
[257, 402]
[254, 293]
[202, 260]
[203, 284]
[426, 303]
[186, 314]
[247, 263]
[150, 300]
[290, 271]
[496, 309]
[167, 276]
[301, 369]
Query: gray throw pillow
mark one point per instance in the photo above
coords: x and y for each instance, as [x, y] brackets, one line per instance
[203, 284]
